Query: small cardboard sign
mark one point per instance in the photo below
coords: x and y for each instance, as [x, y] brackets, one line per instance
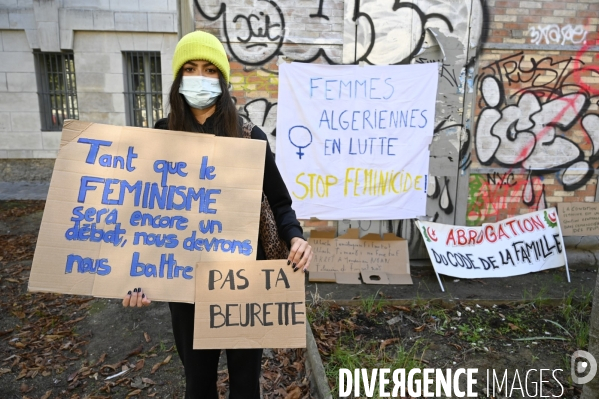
[579, 218]
[349, 259]
[249, 304]
[131, 207]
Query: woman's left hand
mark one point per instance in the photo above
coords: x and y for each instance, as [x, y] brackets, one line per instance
[300, 255]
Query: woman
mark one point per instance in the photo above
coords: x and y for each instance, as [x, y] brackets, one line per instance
[200, 102]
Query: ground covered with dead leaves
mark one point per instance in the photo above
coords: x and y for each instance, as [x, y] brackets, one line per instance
[535, 334]
[66, 346]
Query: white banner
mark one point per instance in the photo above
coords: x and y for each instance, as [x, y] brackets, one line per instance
[352, 141]
[514, 246]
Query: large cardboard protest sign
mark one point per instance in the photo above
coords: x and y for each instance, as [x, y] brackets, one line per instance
[351, 259]
[249, 304]
[131, 207]
[353, 142]
[579, 218]
[519, 245]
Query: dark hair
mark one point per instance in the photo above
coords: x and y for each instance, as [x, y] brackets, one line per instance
[226, 119]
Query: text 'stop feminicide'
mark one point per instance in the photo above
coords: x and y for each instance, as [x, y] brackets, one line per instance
[353, 142]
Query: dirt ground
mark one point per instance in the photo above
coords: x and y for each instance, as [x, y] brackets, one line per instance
[65, 346]
[62, 346]
[501, 340]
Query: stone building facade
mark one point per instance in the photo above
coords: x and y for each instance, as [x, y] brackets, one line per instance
[97, 35]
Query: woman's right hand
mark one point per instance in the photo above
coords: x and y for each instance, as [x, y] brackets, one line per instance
[136, 299]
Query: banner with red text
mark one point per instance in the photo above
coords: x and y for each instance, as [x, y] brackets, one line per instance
[352, 141]
[519, 245]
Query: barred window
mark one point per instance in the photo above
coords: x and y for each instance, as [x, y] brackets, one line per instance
[144, 88]
[57, 89]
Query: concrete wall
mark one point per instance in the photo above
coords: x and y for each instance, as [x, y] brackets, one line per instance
[97, 32]
[20, 128]
[100, 67]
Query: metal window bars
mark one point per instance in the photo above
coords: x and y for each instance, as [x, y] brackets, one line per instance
[57, 89]
[144, 88]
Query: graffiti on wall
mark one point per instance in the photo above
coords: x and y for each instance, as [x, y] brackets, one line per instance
[386, 33]
[256, 33]
[262, 113]
[535, 127]
[554, 34]
[499, 195]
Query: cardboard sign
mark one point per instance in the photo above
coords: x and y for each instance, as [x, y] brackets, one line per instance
[519, 245]
[131, 207]
[249, 304]
[579, 218]
[353, 142]
[347, 258]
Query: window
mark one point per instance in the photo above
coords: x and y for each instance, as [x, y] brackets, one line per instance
[144, 88]
[57, 88]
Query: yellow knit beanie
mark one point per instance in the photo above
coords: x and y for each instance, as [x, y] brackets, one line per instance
[200, 45]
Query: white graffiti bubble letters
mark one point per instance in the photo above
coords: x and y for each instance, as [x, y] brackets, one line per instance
[535, 133]
[553, 34]
[590, 123]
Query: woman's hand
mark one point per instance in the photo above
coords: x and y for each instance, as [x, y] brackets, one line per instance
[300, 255]
[136, 299]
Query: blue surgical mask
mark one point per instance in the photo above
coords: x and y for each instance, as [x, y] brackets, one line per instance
[199, 91]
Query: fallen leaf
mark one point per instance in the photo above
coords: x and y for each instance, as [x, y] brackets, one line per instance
[133, 393]
[155, 367]
[135, 351]
[420, 328]
[47, 394]
[147, 337]
[138, 383]
[158, 365]
[458, 347]
[403, 308]
[388, 342]
[296, 393]
[148, 381]
[72, 376]
[6, 332]
[139, 365]
[24, 388]
[100, 360]
[513, 327]
[75, 320]
[20, 315]
[22, 374]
